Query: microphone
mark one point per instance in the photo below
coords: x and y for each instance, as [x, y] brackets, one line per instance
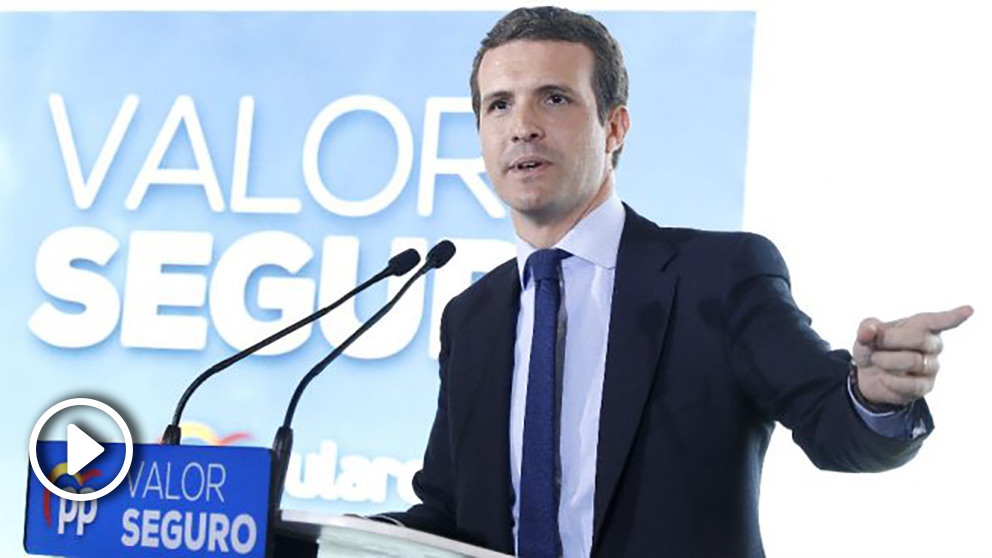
[438, 256]
[400, 264]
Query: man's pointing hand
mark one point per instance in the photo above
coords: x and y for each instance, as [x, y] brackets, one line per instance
[897, 361]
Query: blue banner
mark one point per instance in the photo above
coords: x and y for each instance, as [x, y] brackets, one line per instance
[175, 501]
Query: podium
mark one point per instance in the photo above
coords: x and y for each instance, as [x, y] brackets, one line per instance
[303, 534]
[199, 501]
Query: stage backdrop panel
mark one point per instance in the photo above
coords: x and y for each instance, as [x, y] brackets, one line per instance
[175, 186]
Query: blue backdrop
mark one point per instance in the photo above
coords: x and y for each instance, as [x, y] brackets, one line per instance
[172, 185]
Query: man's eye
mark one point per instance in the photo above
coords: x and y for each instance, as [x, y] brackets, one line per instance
[557, 99]
[497, 105]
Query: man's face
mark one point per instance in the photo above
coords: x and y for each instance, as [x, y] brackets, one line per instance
[544, 147]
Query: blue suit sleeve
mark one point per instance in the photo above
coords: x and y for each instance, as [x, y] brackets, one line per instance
[792, 376]
[432, 484]
[904, 424]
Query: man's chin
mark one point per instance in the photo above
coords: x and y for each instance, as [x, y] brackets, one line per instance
[539, 211]
[531, 206]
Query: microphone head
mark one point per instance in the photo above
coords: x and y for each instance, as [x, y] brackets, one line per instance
[402, 263]
[440, 254]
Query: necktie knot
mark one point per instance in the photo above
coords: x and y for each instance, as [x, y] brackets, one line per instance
[543, 264]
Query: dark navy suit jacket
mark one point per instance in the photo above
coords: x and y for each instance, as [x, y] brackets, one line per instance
[706, 351]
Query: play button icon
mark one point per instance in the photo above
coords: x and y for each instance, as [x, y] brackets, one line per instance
[81, 449]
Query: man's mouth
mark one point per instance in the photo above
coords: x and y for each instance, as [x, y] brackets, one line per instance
[528, 165]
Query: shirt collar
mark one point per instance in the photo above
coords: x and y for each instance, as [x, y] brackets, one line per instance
[595, 238]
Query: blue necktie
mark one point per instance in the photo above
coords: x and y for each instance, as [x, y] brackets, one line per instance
[538, 531]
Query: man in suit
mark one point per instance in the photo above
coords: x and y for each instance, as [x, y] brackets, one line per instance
[613, 389]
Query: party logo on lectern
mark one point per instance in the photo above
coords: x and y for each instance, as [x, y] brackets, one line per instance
[176, 500]
[81, 513]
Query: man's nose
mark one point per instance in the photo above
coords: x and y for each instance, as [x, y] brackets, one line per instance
[525, 126]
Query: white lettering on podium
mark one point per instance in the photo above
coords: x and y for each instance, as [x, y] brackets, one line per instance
[172, 530]
[216, 477]
[219, 528]
[131, 534]
[149, 528]
[243, 546]
[153, 483]
[189, 531]
[196, 481]
[201, 484]
[195, 543]
[83, 513]
[169, 495]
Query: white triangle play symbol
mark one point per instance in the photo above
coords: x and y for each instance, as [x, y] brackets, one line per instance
[81, 449]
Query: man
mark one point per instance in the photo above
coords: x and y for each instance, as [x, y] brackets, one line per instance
[613, 389]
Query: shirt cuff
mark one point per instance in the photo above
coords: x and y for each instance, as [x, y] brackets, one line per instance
[902, 424]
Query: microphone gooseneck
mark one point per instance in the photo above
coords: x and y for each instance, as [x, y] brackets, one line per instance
[438, 256]
[400, 264]
[282, 446]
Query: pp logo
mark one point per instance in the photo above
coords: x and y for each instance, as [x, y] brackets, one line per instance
[196, 431]
[70, 511]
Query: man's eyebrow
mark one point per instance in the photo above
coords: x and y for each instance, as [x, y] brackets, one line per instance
[556, 88]
[495, 95]
[541, 90]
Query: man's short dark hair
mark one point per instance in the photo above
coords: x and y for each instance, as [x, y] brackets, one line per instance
[548, 23]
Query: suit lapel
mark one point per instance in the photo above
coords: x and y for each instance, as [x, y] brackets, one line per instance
[642, 302]
[485, 382]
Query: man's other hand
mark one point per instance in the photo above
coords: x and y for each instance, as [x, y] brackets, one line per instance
[897, 361]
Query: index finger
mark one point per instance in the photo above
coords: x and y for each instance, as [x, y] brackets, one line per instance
[868, 330]
[942, 321]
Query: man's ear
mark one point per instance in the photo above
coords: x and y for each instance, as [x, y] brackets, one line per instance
[617, 126]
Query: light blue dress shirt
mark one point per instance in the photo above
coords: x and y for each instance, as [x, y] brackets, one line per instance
[587, 297]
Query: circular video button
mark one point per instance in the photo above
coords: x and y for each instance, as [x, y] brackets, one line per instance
[81, 449]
